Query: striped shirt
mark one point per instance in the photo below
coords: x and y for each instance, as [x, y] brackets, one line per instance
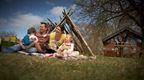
[42, 38]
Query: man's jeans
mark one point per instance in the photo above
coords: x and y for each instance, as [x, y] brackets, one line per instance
[17, 47]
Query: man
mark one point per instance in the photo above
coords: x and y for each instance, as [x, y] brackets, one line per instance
[43, 37]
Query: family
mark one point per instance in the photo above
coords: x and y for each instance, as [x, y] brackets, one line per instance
[55, 43]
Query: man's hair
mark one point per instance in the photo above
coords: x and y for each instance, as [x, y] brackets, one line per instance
[46, 24]
[31, 30]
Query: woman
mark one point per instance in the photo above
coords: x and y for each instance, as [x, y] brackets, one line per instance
[57, 38]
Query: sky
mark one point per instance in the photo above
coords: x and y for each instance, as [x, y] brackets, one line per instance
[18, 15]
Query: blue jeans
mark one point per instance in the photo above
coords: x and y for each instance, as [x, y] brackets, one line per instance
[17, 47]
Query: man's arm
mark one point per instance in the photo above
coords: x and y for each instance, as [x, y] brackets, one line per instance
[31, 45]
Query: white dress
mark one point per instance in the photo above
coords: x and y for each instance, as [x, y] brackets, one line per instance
[68, 50]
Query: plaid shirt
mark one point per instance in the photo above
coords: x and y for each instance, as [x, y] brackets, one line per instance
[42, 38]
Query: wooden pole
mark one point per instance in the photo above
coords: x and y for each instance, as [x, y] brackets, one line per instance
[76, 42]
[78, 34]
[62, 20]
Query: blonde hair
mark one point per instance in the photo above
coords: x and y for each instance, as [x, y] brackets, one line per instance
[68, 37]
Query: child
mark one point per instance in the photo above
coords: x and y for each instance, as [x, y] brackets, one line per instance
[26, 44]
[30, 39]
[67, 48]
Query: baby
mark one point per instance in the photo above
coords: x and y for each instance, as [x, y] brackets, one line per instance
[30, 39]
[67, 48]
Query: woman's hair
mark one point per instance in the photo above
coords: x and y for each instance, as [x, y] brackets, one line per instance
[31, 30]
[62, 28]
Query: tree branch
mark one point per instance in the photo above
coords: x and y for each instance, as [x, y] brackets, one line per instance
[133, 4]
[130, 16]
[111, 18]
[110, 10]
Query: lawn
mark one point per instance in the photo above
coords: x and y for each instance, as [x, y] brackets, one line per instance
[16, 66]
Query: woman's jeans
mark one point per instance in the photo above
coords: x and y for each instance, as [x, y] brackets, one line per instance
[17, 47]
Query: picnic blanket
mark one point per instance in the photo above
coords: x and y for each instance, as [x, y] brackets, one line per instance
[55, 55]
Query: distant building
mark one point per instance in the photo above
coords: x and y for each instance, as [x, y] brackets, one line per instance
[13, 39]
[9, 39]
[124, 42]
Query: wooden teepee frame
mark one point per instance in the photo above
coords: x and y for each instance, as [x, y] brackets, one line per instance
[72, 29]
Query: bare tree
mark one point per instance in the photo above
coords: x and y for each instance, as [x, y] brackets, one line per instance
[114, 12]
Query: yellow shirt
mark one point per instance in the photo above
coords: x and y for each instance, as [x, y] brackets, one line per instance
[52, 40]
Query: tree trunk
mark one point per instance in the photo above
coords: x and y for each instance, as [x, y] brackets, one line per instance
[0, 43]
[141, 12]
[142, 46]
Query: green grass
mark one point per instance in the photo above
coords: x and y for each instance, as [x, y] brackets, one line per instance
[21, 67]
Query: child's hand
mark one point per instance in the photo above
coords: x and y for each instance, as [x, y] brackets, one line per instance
[26, 47]
[21, 44]
[33, 39]
[61, 49]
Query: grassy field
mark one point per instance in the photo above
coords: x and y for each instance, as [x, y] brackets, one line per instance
[21, 67]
